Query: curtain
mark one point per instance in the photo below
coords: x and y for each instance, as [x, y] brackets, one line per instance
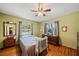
[45, 28]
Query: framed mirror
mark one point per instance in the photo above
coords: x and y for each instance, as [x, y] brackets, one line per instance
[9, 28]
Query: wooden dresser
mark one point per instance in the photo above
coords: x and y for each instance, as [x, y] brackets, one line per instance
[52, 39]
[8, 41]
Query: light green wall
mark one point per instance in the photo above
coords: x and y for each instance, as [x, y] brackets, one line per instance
[68, 38]
[4, 17]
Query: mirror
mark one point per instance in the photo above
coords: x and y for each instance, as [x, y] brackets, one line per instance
[9, 28]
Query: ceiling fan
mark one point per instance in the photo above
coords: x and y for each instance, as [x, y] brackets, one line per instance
[41, 11]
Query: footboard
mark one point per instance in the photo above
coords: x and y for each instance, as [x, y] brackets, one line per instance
[43, 44]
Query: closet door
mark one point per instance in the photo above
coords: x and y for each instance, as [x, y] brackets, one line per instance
[78, 43]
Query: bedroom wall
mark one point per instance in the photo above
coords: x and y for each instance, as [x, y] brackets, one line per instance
[68, 38]
[5, 17]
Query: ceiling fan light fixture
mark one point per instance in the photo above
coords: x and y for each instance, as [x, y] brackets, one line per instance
[40, 10]
[40, 14]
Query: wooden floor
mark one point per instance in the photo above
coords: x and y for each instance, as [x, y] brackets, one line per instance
[60, 51]
[52, 51]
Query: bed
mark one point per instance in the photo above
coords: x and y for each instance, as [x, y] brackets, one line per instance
[29, 40]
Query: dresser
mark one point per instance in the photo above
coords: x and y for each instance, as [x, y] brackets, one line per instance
[9, 41]
[52, 39]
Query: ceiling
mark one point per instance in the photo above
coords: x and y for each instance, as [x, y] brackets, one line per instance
[23, 10]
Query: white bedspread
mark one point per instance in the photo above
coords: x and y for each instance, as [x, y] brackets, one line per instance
[27, 41]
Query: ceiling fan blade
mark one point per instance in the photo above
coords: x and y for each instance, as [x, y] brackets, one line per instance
[47, 10]
[34, 11]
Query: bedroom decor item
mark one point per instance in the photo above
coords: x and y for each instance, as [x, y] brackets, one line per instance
[40, 10]
[9, 28]
[64, 28]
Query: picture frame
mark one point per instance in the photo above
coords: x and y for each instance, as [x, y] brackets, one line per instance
[9, 27]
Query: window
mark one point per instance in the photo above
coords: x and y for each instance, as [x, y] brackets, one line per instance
[51, 28]
[26, 29]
